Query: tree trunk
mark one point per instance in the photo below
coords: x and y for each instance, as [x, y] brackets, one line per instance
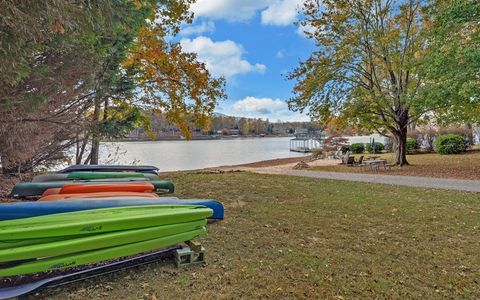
[469, 133]
[94, 152]
[401, 151]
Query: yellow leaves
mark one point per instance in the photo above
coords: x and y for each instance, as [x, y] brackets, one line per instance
[137, 4]
[174, 81]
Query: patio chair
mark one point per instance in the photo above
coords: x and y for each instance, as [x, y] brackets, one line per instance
[345, 158]
[350, 161]
[360, 161]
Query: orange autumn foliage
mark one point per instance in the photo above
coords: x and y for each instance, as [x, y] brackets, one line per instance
[173, 81]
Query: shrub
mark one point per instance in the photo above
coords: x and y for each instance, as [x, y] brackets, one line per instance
[412, 145]
[379, 147]
[450, 144]
[357, 148]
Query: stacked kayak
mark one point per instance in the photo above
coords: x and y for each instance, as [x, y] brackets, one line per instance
[58, 197]
[26, 209]
[66, 240]
[86, 214]
[91, 175]
[111, 168]
[36, 189]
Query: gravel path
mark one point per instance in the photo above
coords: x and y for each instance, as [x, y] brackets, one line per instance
[424, 182]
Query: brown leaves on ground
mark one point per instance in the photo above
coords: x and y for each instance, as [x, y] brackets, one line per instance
[460, 166]
[7, 183]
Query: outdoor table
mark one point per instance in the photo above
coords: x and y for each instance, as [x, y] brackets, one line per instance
[373, 163]
[372, 157]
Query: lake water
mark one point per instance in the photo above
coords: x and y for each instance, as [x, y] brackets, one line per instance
[189, 155]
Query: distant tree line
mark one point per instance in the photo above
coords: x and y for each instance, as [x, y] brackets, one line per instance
[160, 126]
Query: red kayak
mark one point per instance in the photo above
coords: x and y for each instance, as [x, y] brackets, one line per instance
[78, 188]
[51, 191]
[58, 197]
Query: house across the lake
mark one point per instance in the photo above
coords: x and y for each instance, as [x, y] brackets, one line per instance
[367, 139]
[306, 141]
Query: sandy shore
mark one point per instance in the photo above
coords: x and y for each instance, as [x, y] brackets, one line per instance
[281, 164]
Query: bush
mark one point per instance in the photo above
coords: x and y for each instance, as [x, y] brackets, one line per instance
[357, 148]
[412, 145]
[450, 144]
[379, 147]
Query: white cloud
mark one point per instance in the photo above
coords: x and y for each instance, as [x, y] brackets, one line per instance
[204, 27]
[231, 10]
[273, 12]
[222, 58]
[265, 108]
[281, 12]
[261, 105]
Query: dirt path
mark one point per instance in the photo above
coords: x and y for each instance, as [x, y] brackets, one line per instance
[413, 181]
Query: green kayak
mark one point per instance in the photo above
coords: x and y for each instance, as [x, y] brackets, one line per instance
[103, 220]
[35, 189]
[83, 175]
[96, 241]
[98, 255]
[106, 175]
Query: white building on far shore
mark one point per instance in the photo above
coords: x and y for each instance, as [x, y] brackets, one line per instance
[367, 139]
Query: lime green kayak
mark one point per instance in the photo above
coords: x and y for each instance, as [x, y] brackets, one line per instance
[96, 241]
[21, 243]
[98, 255]
[103, 220]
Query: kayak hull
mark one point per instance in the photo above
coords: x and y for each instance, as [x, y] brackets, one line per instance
[111, 168]
[99, 221]
[36, 189]
[96, 241]
[140, 187]
[80, 175]
[98, 255]
[59, 197]
[19, 210]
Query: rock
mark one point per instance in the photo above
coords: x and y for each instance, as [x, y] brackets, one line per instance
[301, 166]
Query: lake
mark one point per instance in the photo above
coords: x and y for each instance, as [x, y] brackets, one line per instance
[189, 155]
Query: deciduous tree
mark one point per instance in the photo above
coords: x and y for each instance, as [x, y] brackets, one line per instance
[173, 81]
[366, 66]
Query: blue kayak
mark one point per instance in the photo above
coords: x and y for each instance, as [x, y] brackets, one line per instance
[19, 210]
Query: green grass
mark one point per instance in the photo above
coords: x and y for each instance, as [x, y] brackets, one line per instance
[288, 237]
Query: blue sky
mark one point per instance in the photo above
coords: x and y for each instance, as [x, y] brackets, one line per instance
[253, 43]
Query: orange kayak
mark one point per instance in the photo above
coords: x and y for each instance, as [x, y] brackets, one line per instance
[140, 187]
[58, 197]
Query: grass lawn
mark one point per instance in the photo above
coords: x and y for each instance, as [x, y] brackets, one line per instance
[463, 166]
[289, 237]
